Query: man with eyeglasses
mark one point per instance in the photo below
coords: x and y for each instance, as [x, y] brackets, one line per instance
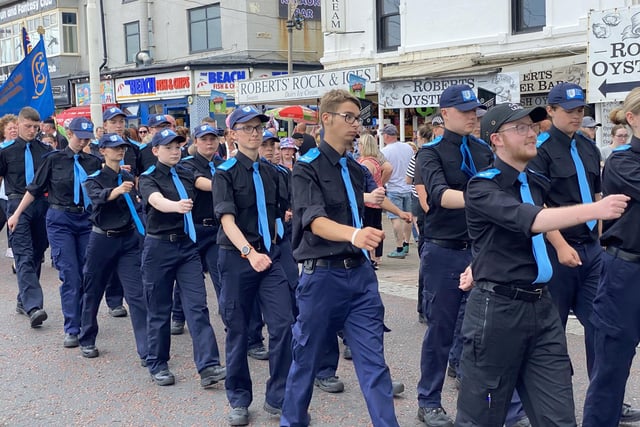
[248, 196]
[513, 336]
[338, 288]
[572, 163]
[445, 165]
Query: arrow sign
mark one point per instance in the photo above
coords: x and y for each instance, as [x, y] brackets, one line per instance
[617, 87]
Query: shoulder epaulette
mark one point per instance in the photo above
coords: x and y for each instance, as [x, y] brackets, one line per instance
[542, 138]
[186, 158]
[7, 144]
[538, 174]
[94, 142]
[478, 140]
[310, 156]
[228, 164]
[434, 142]
[148, 171]
[488, 174]
[586, 137]
[96, 173]
[50, 153]
[624, 147]
[134, 143]
[143, 146]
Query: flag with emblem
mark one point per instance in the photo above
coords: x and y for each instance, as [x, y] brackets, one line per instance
[29, 85]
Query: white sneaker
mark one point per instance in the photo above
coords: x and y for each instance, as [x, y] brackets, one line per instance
[9, 253]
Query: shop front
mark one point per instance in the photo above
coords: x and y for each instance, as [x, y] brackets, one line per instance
[166, 93]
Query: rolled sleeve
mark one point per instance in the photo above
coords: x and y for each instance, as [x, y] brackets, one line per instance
[308, 200]
[96, 192]
[223, 201]
[432, 175]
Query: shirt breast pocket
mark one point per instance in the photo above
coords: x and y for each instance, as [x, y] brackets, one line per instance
[60, 173]
[561, 169]
[334, 193]
[456, 179]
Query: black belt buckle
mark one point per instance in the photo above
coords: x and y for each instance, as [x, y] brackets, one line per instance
[533, 295]
[208, 222]
[351, 263]
[174, 237]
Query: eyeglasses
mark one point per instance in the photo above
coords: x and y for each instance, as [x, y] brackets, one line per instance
[624, 135]
[250, 129]
[349, 118]
[522, 129]
[142, 132]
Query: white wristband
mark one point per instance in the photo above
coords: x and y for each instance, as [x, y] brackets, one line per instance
[353, 236]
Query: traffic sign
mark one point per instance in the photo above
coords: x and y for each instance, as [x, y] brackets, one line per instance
[613, 60]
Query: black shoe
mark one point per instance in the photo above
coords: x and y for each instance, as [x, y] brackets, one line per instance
[177, 327]
[20, 309]
[143, 363]
[422, 319]
[434, 417]
[258, 353]
[36, 317]
[211, 375]
[330, 385]
[629, 415]
[452, 371]
[89, 351]
[239, 416]
[271, 409]
[346, 353]
[71, 341]
[397, 387]
[164, 377]
[118, 311]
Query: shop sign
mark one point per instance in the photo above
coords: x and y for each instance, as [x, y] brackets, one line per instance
[497, 88]
[300, 86]
[543, 81]
[220, 81]
[25, 8]
[613, 59]
[154, 86]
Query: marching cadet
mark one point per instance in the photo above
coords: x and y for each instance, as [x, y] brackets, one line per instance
[169, 255]
[62, 173]
[114, 246]
[247, 201]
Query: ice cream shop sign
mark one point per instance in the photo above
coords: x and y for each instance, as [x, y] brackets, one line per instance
[154, 86]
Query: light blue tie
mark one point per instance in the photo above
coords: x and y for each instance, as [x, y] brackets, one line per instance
[212, 168]
[585, 191]
[280, 227]
[353, 204]
[189, 227]
[28, 164]
[263, 218]
[467, 165]
[79, 177]
[545, 271]
[132, 209]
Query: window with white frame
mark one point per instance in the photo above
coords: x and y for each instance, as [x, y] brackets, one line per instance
[205, 30]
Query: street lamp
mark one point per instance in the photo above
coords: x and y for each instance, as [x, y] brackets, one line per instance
[295, 21]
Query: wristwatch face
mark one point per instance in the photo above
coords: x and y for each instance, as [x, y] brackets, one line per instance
[245, 250]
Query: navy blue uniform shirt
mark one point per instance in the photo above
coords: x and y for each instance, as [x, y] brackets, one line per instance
[109, 214]
[319, 191]
[555, 162]
[12, 164]
[438, 163]
[203, 203]
[500, 224]
[158, 180]
[621, 175]
[55, 175]
[234, 193]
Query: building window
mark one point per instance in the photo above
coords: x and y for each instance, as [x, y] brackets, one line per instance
[70, 32]
[132, 40]
[528, 15]
[205, 32]
[388, 18]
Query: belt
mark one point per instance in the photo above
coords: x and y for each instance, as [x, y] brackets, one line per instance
[529, 295]
[72, 209]
[168, 237]
[459, 245]
[623, 255]
[208, 222]
[112, 233]
[342, 264]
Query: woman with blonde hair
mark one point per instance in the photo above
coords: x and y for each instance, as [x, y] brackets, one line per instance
[373, 159]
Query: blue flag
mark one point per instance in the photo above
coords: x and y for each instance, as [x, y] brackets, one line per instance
[29, 85]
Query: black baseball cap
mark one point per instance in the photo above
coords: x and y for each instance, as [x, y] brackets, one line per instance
[507, 113]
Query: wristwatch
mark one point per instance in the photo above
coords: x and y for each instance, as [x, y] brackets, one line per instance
[245, 250]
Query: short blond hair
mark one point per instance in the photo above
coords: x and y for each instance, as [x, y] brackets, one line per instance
[332, 100]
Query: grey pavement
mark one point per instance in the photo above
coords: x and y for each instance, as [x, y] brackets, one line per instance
[42, 383]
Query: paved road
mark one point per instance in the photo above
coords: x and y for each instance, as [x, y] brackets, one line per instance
[42, 383]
